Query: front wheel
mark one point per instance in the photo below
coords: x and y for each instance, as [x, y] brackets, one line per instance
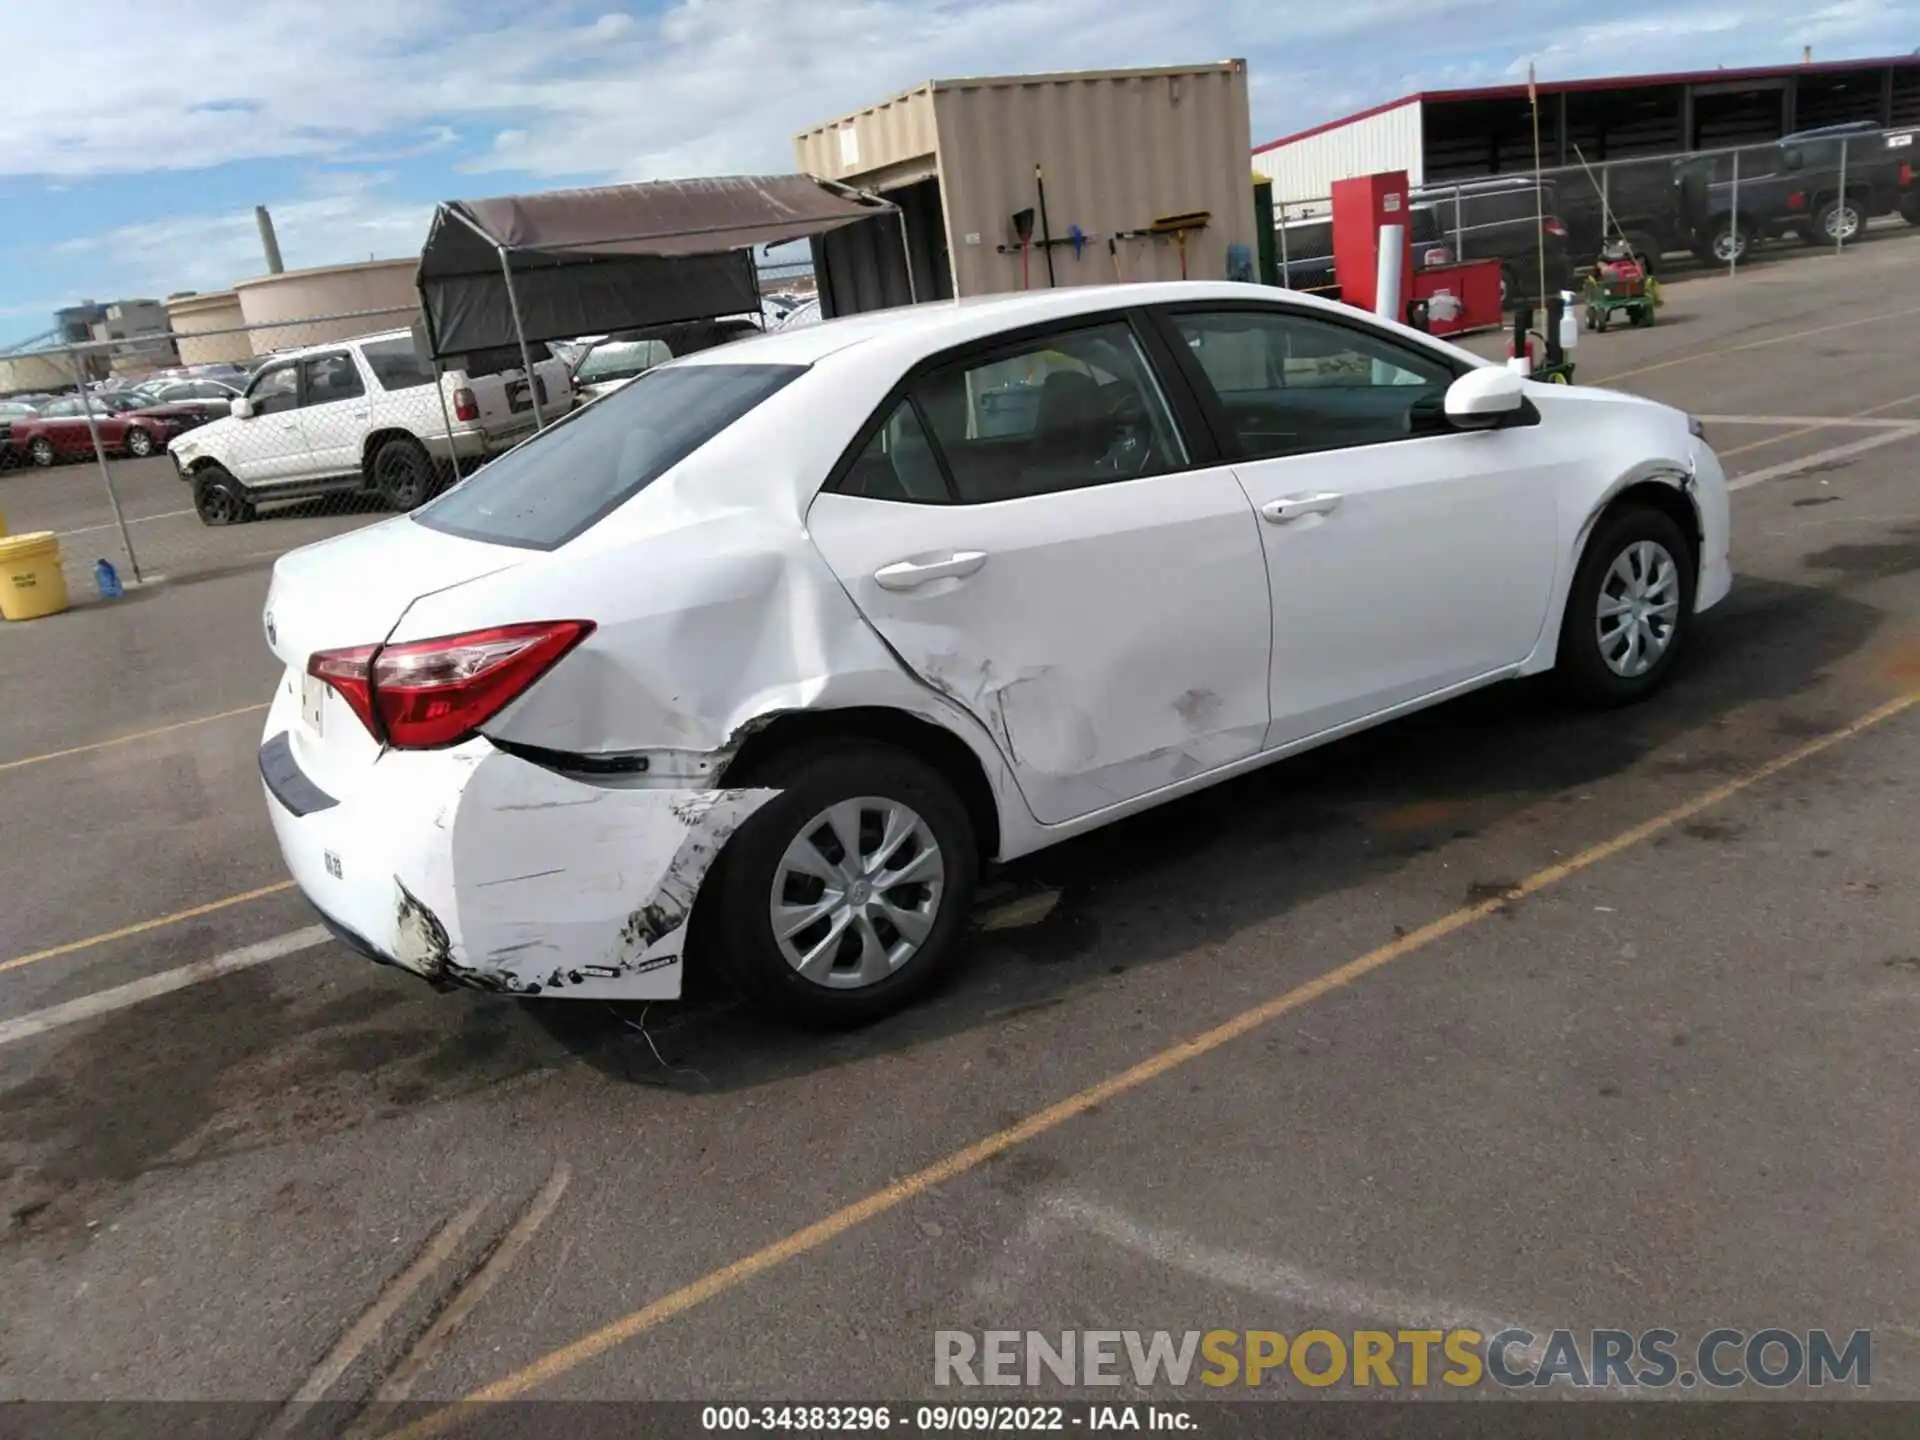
[219, 499]
[139, 443]
[41, 451]
[844, 896]
[1628, 611]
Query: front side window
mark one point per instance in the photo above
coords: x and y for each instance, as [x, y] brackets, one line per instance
[275, 390]
[1293, 384]
[1057, 412]
[551, 488]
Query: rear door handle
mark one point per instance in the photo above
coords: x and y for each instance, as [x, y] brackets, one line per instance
[1292, 507]
[906, 574]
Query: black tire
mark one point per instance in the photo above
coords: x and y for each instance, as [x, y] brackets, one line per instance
[139, 443]
[1729, 243]
[219, 499]
[41, 452]
[403, 473]
[1910, 209]
[735, 920]
[1581, 669]
[1830, 217]
[1509, 285]
[1602, 320]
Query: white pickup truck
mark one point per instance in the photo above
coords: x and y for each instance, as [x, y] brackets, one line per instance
[360, 415]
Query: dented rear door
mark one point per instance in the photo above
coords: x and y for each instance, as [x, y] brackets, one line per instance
[1113, 638]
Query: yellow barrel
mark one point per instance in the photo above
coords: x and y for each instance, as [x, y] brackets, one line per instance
[31, 584]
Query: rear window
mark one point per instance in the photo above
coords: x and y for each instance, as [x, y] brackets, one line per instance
[541, 494]
[396, 364]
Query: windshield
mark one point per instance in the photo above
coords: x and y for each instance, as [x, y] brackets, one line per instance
[621, 360]
[558, 484]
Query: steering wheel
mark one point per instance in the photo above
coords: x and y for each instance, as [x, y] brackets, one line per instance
[1131, 449]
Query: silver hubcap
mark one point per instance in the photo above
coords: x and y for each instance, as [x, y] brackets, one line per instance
[1842, 224]
[1639, 607]
[856, 893]
[1729, 247]
[139, 443]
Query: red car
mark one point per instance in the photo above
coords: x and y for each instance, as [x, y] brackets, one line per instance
[59, 430]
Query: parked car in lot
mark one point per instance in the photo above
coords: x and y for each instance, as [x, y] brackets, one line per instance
[206, 399]
[360, 415]
[58, 430]
[10, 411]
[611, 363]
[761, 657]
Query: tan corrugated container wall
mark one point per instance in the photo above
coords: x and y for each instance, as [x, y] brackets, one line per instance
[1119, 149]
[887, 144]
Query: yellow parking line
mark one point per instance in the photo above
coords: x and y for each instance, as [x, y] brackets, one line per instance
[129, 739]
[770, 1257]
[1754, 345]
[124, 931]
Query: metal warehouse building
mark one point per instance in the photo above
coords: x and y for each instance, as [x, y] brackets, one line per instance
[1440, 135]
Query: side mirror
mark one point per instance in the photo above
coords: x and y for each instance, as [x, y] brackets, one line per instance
[1484, 397]
[242, 408]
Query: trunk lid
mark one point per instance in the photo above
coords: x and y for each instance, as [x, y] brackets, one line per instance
[348, 592]
[353, 590]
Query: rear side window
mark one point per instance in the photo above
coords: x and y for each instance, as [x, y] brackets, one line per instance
[556, 485]
[396, 364]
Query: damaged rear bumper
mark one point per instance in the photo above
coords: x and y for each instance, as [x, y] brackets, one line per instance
[471, 867]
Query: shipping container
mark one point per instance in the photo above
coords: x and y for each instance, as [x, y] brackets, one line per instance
[1117, 151]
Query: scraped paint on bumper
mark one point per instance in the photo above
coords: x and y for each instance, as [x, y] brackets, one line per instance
[468, 866]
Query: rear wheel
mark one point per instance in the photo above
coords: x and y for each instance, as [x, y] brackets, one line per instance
[1729, 244]
[403, 474]
[1628, 611]
[219, 499]
[846, 895]
[1837, 224]
[41, 451]
[139, 443]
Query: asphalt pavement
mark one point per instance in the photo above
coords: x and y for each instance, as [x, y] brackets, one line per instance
[1499, 1015]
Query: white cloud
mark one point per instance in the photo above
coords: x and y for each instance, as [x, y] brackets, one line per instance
[353, 218]
[721, 85]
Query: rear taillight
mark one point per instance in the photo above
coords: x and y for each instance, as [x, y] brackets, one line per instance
[1797, 200]
[1554, 227]
[429, 693]
[465, 407]
[1906, 173]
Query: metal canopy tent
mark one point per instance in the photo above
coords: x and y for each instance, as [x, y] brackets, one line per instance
[521, 269]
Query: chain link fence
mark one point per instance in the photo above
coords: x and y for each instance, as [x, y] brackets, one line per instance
[249, 441]
[1694, 212]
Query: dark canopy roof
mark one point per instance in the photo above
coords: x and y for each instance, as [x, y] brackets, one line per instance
[617, 257]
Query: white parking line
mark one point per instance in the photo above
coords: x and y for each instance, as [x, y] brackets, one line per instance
[119, 997]
[1823, 457]
[132, 520]
[1817, 422]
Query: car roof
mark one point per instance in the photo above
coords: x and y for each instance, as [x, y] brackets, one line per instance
[936, 325]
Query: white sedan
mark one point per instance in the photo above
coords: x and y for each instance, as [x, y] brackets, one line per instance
[765, 655]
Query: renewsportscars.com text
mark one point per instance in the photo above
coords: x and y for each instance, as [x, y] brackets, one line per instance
[1620, 1360]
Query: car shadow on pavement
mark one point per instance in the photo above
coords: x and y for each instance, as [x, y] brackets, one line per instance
[1348, 815]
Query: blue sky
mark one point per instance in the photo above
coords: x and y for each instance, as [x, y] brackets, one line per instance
[132, 165]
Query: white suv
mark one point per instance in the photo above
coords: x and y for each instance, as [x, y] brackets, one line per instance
[359, 414]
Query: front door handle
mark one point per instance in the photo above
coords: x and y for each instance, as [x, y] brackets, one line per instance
[906, 574]
[1292, 507]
